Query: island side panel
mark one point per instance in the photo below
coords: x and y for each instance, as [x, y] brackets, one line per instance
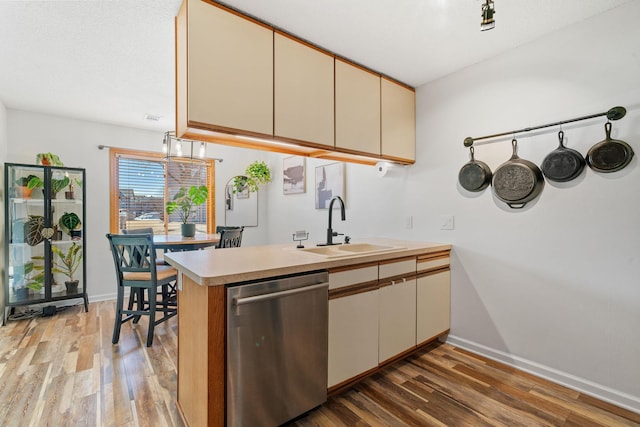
[201, 354]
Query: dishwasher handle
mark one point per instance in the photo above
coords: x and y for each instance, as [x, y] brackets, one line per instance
[273, 295]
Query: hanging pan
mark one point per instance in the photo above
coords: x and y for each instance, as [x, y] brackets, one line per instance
[517, 181]
[474, 175]
[609, 155]
[563, 164]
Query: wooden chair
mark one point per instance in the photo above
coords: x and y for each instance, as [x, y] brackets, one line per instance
[230, 237]
[135, 261]
[149, 230]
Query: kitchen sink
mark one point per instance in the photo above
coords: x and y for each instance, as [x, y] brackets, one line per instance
[348, 250]
[365, 247]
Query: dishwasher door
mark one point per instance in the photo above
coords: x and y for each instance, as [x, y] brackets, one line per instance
[277, 338]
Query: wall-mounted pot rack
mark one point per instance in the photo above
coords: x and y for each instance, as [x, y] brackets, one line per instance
[615, 113]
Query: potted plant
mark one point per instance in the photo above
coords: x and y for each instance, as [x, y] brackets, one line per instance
[256, 173]
[48, 159]
[28, 276]
[67, 263]
[25, 185]
[70, 223]
[56, 184]
[69, 194]
[184, 203]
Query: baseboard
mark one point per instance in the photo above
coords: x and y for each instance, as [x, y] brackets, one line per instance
[104, 297]
[618, 398]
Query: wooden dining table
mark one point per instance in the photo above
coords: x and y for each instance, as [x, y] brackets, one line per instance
[175, 242]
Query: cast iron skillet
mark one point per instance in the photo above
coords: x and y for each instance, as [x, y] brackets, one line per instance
[474, 175]
[563, 164]
[517, 181]
[609, 155]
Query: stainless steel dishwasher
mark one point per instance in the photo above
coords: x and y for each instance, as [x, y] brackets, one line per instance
[277, 335]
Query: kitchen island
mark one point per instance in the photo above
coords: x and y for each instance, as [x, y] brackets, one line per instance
[205, 275]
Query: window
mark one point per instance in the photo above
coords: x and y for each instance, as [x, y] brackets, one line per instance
[142, 182]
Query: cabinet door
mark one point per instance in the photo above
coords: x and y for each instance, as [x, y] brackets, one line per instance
[397, 318]
[357, 109]
[353, 336]
[433, 305]
[398, 121]
[303, 92]
[230, 70]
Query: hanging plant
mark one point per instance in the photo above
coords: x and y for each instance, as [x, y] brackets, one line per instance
[257, 173]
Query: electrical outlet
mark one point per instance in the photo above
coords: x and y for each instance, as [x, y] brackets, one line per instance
[409, 222]
[446, 222]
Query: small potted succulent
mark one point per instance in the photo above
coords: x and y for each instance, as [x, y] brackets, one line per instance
[184, 203]
[67, 263]
[69, 195]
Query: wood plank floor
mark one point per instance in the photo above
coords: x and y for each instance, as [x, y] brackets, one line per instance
[63, 371]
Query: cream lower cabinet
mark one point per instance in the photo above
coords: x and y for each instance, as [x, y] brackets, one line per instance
[397, 330]
[397, 324]
[353, 336]
[353, 322]
[433, 297]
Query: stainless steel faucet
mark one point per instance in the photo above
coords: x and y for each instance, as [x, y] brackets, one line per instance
[330, 233]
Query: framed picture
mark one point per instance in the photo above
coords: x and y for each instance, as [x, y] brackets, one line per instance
[329, 184]
[293, 175]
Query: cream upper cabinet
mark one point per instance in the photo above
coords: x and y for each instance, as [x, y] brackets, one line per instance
[303, 92]
[357, 109]
[230, 70]
[398, 121]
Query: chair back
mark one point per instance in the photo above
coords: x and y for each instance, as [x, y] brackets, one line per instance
[133, 253]
[147, 230]
[231, 238]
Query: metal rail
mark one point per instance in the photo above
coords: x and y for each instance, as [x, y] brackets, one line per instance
[615, 113]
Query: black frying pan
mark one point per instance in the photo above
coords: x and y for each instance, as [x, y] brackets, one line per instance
[609, 155]
[517, 181]
[563, 164]
[474, 175]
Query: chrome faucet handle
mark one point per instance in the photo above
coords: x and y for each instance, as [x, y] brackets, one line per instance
[347, 239]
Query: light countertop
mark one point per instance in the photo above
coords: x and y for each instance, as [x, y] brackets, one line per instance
[222, 266]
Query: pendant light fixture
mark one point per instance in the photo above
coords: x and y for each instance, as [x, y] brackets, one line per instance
[487, 16]
[184, 149]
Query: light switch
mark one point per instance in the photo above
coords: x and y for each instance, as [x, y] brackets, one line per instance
[409, 222]
[446, 222]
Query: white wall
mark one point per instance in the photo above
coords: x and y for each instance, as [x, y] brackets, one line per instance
[553, 288]
[374, 204]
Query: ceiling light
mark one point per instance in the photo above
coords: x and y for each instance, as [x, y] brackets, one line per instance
[487, 16]
[184, 149]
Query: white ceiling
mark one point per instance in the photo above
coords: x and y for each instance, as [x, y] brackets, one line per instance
[112, 60]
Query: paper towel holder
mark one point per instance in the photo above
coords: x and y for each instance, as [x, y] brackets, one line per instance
[382, 168]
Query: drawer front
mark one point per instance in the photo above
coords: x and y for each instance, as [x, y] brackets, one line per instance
[433, 263]
[397, 268]
[340, 279]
